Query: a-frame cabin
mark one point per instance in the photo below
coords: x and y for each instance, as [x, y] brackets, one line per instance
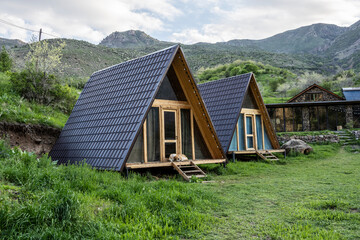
[135, 114]
[239, 115]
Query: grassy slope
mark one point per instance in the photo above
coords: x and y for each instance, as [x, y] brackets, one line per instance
[13, 108]
[314, 197]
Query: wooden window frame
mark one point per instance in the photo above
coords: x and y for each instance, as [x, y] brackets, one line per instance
[171, 106]
[253, 113]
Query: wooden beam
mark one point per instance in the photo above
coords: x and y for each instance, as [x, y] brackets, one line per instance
[145, 141]
[192, 134]
[269, 128]
[237, 136]
[193, 96]
[170, 103]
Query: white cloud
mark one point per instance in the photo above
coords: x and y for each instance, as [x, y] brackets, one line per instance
[260, 18]
[84, 19]
[175, 20]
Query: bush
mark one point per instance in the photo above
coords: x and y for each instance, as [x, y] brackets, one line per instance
[43, 88]
[5, 61]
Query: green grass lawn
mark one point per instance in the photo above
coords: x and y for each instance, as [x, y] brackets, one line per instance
[309, 197]
[301, 197]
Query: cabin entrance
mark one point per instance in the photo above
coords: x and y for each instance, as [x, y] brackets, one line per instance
[170, 133]
[250, 133]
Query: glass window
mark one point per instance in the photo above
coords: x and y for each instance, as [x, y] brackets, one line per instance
[259, 134]
[201, 150]
[153, 135]
[249, 101]
[137, 152]
[169, 123]
[186, 143]
[249, 128]
[250, 142]
[170, 148]
[241, 132]
[170, 88]
[233, 144]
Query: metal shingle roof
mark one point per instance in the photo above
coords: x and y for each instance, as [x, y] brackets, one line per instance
[110, 110]
[351, 94]
[223, 99]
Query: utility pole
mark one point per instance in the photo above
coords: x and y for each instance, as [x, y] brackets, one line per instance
[40, 34]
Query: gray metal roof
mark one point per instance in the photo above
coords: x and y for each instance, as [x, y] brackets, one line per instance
[223, 99]
[351, 94]
[109, 113]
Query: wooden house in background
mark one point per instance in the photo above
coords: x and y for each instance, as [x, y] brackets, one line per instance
[239, 115]
[315, 93]
[314, 109]
[135, 114]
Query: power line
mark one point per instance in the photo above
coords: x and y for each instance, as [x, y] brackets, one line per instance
[28, 29]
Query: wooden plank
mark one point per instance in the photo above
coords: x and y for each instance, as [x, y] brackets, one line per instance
[180, 171]
[254, 130]
[237, 136]
[250, 111]
[169, 164]
[192, 134]
[262, 130]
[170, 103]
[254, 151]
[178, 132]
[269, 128]
[145, 141]
[193, 96]
[161, 128]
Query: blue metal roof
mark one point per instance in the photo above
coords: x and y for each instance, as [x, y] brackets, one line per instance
[351, 94]
[223, 99]
[109, 113]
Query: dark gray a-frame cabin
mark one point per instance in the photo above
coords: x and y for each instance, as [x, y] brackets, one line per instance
[135, 114]
[239, 115]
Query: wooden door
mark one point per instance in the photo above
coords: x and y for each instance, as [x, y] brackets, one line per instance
[170, 133]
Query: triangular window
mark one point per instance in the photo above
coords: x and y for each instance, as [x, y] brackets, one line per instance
[249, 100]
[170, 88]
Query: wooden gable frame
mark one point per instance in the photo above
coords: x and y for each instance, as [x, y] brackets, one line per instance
[193, 96]
[265, 118]
[311, 87]
[264, 113]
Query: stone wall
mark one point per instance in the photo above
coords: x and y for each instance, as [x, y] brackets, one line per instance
[356, 134]
[310, 139]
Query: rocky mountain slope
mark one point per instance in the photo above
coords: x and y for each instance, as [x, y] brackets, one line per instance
[323, 48]
[129, 39]
[9, 43]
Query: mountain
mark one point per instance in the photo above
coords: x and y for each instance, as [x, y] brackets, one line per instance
[9, 43]
[323, 48]
[309, 39]
[129, 39]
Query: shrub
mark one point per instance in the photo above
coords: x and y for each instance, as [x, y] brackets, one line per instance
[5, 61]
[43, 88]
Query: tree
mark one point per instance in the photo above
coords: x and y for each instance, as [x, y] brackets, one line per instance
[44, 58]
[5, 61]
[37, 82]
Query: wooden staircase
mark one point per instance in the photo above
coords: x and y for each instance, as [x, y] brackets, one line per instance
[187, 171]
[267, 156]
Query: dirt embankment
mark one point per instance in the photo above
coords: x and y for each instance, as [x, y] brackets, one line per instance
[33, 138]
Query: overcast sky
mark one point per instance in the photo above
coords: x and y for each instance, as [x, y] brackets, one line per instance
[185, 21]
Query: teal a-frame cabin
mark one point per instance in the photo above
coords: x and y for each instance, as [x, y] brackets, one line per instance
[239, 116]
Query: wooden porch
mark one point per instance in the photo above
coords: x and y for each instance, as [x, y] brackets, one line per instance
[170, 164]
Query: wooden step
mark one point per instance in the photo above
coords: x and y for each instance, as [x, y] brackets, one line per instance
[188, 171]
[267, 156]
